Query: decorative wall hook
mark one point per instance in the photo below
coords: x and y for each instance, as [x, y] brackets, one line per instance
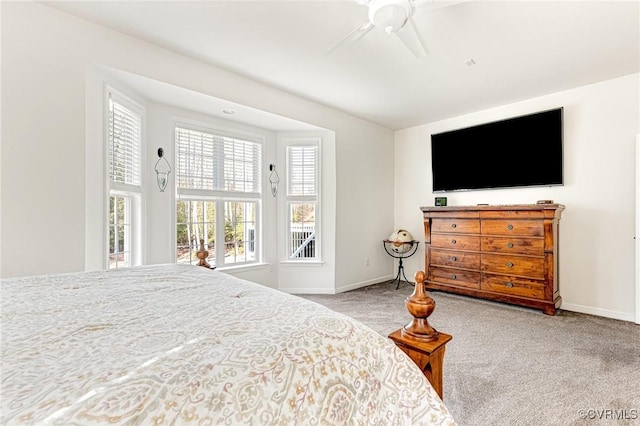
[163, 168]
[274, 179]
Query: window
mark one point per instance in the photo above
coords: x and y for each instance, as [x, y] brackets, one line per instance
[239, 233]
[302, 200]
[119, 231]
[124, 147]
[195, 221]
[219, 193]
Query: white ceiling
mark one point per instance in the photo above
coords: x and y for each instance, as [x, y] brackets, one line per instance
[180, 97]
[521, 49]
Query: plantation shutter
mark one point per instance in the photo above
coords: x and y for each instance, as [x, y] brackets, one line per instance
[125, 136]
[302, 170]
[206, 161]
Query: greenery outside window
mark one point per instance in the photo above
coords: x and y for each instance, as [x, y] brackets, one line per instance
[196, 220]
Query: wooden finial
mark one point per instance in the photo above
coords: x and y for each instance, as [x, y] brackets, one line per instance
[420, 306]
[202, 255]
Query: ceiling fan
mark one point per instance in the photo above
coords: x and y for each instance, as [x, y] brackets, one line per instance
[393, 17]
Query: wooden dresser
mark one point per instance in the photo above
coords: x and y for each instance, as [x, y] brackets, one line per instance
[503, 253]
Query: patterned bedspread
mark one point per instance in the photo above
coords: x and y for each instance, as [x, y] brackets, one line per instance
[178, 344]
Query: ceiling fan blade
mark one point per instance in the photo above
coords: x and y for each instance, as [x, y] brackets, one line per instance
[352, 37]
[436, 4]
[409, 35]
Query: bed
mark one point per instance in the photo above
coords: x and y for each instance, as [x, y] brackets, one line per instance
[180, 344]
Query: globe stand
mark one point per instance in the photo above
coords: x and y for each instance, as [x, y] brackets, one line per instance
[400, 255]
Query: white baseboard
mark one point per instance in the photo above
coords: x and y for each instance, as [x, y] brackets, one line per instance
[624, 316]
[361, 284]
[342, 289]
[590, 310]
[306, 290]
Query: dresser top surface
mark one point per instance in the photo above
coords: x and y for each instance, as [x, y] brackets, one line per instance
[494, 207]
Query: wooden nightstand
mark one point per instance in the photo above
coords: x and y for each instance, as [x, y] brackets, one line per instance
[428, 356]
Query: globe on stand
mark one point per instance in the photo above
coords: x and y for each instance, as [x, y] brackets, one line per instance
[400, 245]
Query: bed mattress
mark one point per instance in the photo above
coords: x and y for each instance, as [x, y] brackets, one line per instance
[179, 344]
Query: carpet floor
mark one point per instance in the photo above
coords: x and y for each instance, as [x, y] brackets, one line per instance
[508, 365]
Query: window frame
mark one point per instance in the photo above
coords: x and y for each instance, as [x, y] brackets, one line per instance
[134, 193]
[132, 238]
[220, 197]
[315, 199]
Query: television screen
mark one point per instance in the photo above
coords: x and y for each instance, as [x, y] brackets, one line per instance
[516, 152]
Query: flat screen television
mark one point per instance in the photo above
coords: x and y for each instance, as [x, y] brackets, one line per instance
[516, 152]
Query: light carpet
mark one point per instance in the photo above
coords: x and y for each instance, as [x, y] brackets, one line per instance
[508, 365]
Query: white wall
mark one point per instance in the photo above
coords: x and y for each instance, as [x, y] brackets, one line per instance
[597, 226]
[365, 189]
[47, 58]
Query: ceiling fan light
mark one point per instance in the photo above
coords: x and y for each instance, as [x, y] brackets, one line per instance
[390, 15]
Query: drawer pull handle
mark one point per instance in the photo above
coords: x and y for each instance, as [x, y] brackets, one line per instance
[453, 241]
[510, 264]
[509, 227]
[509, 245]
[453, 276]
[453, 225]
[509, 284]
[453, 258]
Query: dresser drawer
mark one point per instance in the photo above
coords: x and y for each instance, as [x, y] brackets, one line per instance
[513, 285]
[455, 242]
[530, 246]
[528, 228]
[448, 214]
[455, 277]
[512, 214]
[457, 226]
[513, 265]
[456, 259]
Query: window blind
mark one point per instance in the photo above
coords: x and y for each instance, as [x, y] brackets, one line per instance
[216, 162]
[302, 170]
[125, 135]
